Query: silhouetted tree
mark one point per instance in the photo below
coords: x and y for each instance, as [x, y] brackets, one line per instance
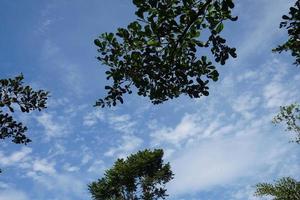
[13, 94]
[292, 24]
[165, 52]
[291, 116]
[287, 188]
[142, 176]
[284, 189]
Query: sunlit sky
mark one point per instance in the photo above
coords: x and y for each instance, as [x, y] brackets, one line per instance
[219, 146]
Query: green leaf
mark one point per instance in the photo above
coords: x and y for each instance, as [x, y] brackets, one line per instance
[153, 43]
[214, 75]
[97, 42]
[230, 3]
[219, 28]
[137, 2]
[205, 93]
[140, 13]
[285, 17]
[109, 36]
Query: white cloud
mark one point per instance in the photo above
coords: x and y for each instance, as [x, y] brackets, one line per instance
[191, 127]
[185, 129]
[3, 185]
[57, 102]
[65, 185]
[44, 166]
[97, 167]
[53, 128]
[70, 168]
[120, 122]
[246, 193]
[277, 94]
[255, 40]
[57, 149]
[247, 75]
[59, 65]
[15, 158]
[92, 118]
[207, 148]
[218, 148]
[86, 158]
[128, 144]
[246, 103]
[224, 160]
[215, 147]
[11, 194]
[49, 50]
[297, 77]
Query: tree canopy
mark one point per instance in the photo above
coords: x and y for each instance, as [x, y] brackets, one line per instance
[13, 94]
[284, 189]
[167, 51]
[292, 24]
[142, 176]
[291, 116]
[287, 188]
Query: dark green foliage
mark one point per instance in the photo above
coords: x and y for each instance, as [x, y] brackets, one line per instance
[142, 176]
[12, 95]
[287, 188]
[164, 52]
[292, 24]
[284, 189]
[291, 116]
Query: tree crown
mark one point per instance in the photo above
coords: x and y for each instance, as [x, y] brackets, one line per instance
[14, 94]
[141, 176]
[162, 53]
[284, 189]
[292, 24]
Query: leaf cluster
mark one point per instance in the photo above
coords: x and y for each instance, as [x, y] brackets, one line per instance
[284, 189]
[141, 176]
[291, 116]
[292, 24]
[287, 188]
[162, 53]
[14, 94]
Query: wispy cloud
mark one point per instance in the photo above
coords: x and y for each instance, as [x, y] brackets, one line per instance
[97, 167]
[245, 103]
[186, 129]
[12, 194]
[225, 143]
[278, 94]
[246, 193]
[44, 166]
[70, 168]
[58, 65]
[222, 144]
[128, 144]
[53, 128]
[16, 157]
[67, 186]
[122, 123]
[91, 119]
[254, 39]
[217, 161]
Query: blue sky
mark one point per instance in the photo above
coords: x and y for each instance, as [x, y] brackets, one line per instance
[219, 146]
